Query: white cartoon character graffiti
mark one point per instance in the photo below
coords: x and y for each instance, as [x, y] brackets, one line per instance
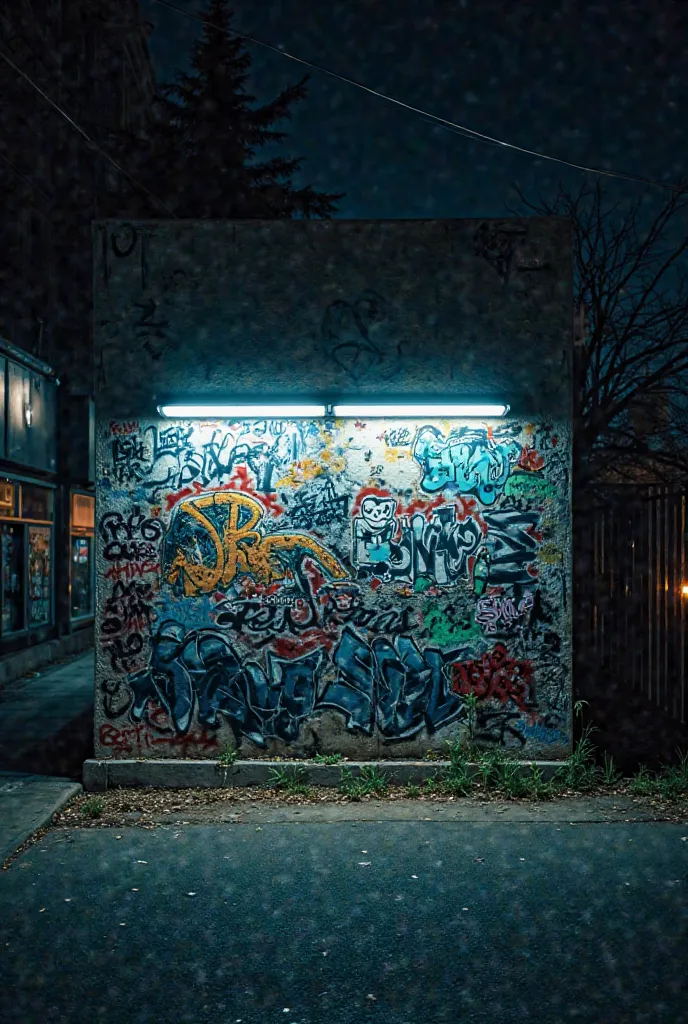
[374, 532]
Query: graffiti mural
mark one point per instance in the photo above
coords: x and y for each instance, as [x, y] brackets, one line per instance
[215, 537]
[476, 462]
[305, 586]
[162, 458]
[408, 548]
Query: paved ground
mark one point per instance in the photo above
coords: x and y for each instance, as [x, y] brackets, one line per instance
[399, 922]
[46, 721]
[27, 802]
[46, 733]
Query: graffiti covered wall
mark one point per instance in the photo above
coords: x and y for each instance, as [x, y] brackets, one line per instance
[296, 587]
[334, 586]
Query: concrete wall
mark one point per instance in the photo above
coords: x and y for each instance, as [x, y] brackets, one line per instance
[311, 586]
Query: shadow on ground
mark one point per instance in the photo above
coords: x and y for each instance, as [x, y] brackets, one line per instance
[61, 754]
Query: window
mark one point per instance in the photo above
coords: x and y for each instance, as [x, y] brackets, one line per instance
[82, 576]
[37, 503]
[83, 512]
[12, 554]
[8, 498]
[82, 563]
[40, 576]
[26, 559]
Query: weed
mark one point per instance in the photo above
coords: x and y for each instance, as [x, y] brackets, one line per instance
[490, 764]
[293, 781]
[470, 701]
[579, 771]
[225, 761]
[537, 787]
[431, 785]
[511, 780]
[93, 806]
[413, 791]
[370, 782]
[327, 758]
[227, 757]
[669, 783]
[456, 780]
[610, 775]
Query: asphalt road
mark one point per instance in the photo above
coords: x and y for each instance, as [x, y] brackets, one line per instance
[397, 922]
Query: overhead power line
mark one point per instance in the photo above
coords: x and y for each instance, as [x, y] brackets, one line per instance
[22, 177]
[94, 145]
[433, 118]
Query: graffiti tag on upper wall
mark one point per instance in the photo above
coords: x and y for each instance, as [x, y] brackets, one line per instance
[258, 576]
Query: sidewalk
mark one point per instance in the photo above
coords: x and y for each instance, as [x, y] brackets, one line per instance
[273, 921]
[46, 733]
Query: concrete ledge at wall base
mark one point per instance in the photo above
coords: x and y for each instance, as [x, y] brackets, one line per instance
[30, 659]
[99, 776]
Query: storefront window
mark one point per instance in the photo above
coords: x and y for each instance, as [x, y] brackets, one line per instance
[82, 565]
[8, 498]
[37, 503]
[39, 575]
[12, 577]
[82, 576]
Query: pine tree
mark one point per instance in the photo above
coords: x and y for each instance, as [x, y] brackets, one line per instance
[203, 151]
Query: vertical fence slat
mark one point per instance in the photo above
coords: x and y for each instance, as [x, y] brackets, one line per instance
[638, 616]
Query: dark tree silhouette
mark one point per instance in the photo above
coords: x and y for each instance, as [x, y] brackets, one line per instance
[202, 156]
[631, 349]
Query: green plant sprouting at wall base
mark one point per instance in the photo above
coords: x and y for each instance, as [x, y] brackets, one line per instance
[670, 783]
[291, 780]
[370, 782]
[225, 761]
[327, 758]
[470, 701]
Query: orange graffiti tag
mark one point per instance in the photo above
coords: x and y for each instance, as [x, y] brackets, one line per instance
[238, 545]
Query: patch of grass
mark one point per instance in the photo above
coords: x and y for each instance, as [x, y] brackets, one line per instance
[370, 782]
[327, 758]
[456, 780]
[413, 791]
[669, 783]
[292, 780]
[93, 807]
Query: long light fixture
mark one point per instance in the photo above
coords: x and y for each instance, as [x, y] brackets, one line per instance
[243, 412]
[440, 409]
[357, 411]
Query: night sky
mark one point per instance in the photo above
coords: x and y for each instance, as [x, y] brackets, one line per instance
[599, 84]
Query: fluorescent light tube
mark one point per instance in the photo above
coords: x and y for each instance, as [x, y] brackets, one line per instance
[420, 411]
[242, 412]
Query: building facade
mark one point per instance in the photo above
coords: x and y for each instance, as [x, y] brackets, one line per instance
[296, 584]
[46, 528]
[91, 58]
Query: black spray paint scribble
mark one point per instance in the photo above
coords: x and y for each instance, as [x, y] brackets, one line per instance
[349, 329]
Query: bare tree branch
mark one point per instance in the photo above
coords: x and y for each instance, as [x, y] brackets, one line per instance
[631, 403]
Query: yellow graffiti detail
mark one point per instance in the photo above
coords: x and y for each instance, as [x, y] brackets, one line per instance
[303, 472]
[549, 554]
[243, 549]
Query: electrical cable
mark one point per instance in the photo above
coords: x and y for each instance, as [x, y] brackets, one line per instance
[89, 140]
[433, 118]
[22, 177]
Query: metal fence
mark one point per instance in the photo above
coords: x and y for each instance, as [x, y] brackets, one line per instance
[631, 584]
